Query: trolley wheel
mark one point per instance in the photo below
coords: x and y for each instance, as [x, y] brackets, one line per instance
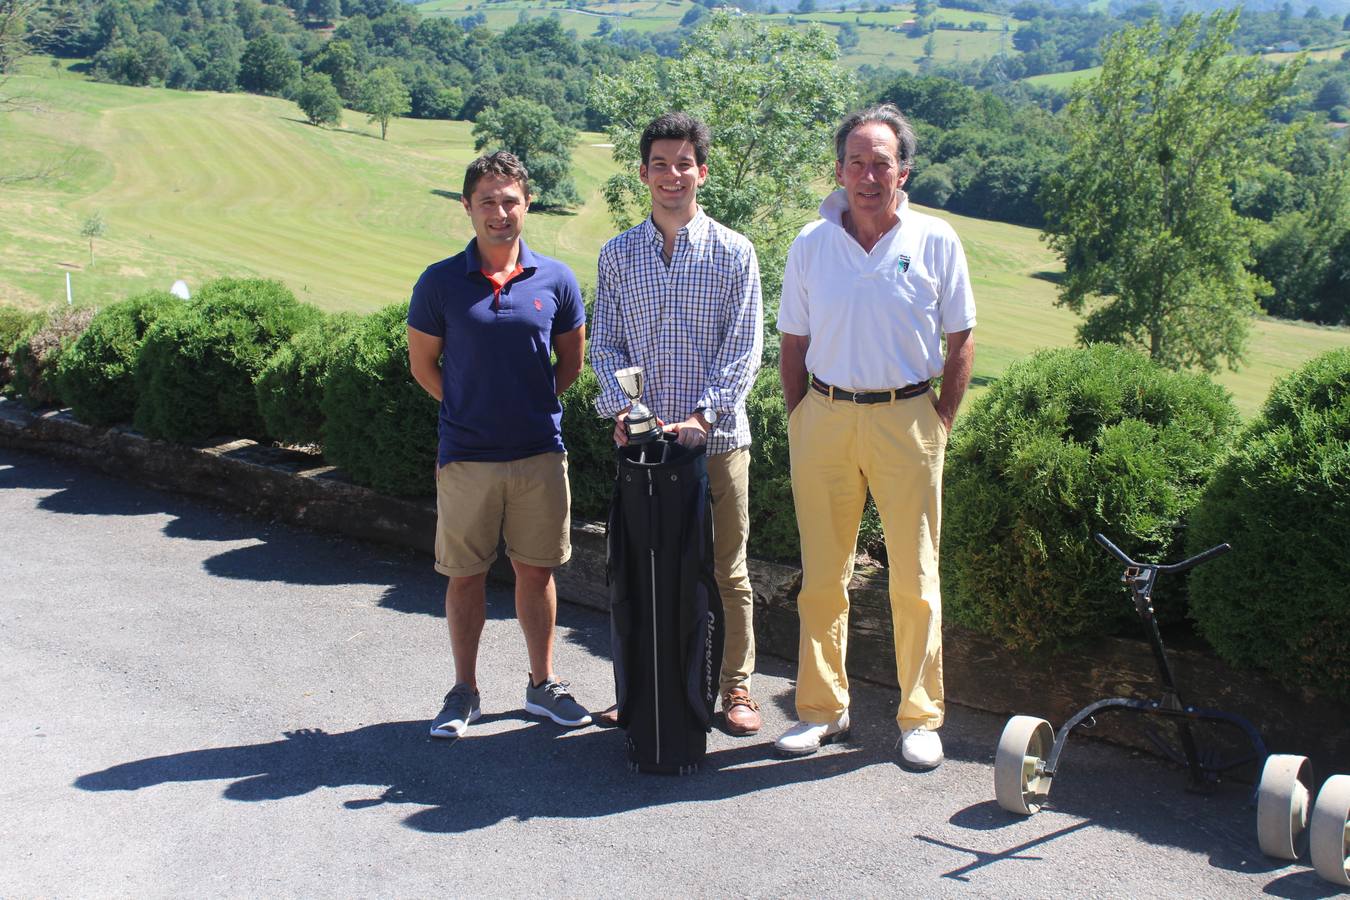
[1329, 834]
[1020, 782]
[1283, 802]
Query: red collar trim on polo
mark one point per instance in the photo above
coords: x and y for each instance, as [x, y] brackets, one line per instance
[498, 285]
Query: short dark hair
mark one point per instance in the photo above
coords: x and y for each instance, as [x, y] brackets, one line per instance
[889, 115]
[503, 163]
[680, 127]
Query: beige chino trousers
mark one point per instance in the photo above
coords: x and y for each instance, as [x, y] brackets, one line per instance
[729, 481]
[840, 450]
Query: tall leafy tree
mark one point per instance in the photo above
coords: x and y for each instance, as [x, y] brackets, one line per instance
[1141, 210]
[528, 130]
[772, 97]
[319, 100]
[384, 96]
[268, 66]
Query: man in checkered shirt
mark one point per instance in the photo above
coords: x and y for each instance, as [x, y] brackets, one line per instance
[679, 296]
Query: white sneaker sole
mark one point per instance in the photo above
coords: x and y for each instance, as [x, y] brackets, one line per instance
[537, 710]
[807, 751]
[446, 731]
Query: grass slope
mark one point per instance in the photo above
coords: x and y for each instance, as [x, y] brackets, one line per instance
[196, 185]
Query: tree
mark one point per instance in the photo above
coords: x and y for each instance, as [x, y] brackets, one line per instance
[319, 100]
[268, 66]
[25, 26]
[1141, 210]
[323, 10]
[772, 97]
[847, 38]
[92, 228]
[528, 130]
[384, 96]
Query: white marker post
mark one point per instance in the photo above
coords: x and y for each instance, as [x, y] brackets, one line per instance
[70, 301]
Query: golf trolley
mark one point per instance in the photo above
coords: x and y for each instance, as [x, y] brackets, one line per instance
[1029, 751]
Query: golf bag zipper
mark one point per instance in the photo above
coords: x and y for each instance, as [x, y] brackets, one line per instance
[656, 676]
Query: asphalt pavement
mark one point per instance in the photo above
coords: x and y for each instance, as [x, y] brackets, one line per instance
[195, 702]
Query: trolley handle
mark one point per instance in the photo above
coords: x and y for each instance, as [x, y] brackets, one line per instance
[1182, 566]
[1196, 560]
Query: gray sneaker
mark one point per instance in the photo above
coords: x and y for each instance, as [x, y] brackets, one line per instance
[553, 700]
[461, 708]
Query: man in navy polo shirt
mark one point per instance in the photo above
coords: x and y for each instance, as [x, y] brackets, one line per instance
[481, 328]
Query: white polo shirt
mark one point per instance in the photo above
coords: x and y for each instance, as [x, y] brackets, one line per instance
[875, 319]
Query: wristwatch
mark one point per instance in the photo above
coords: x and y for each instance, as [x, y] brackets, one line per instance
[709, 414]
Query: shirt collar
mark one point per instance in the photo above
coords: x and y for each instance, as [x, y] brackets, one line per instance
[833, 207]
[473, 263]
[693, 230]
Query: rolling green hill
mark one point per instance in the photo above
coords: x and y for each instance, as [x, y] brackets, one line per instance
[195, 185]
[879, 44]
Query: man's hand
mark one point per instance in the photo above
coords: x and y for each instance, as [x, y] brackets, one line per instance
[621, 428]
[692, 432]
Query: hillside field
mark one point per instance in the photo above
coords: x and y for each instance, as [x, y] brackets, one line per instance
[878, 45]
[195, 185]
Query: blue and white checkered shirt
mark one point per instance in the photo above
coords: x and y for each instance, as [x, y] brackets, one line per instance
[695, 326]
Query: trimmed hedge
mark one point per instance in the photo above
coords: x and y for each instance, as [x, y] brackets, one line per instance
[290, 387]
[197, 365]
[97, 375]
[379, 425]
[39, 350]
[589, 440]
[1067, 443]
[1280, 601]
[13, 324]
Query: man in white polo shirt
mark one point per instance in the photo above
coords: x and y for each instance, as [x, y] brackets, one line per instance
[869, 292]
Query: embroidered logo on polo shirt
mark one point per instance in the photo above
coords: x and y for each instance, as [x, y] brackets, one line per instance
[903, 265]
[539, 305]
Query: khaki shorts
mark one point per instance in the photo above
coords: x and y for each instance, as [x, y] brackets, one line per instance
[527, 501]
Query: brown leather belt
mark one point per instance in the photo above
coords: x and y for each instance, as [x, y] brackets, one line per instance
[904, 393]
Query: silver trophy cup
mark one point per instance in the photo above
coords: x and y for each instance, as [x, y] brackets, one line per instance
[641, 422]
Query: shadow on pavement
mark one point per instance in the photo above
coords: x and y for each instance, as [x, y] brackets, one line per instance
[553, 774]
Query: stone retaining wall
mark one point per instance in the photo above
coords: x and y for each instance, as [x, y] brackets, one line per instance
[980, 672]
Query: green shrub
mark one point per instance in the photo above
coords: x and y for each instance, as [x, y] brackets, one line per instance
[195, 373]
[96, 376]
[590, 449]
[1071, 442]
[290, 386]
[1280, 601]
[13, 324]
[39, 350]
[773, 521]
[379, 425]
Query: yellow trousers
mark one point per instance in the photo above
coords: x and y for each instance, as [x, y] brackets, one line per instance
[840, 450]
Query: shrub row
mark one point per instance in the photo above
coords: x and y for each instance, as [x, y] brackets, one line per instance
[1066, 443]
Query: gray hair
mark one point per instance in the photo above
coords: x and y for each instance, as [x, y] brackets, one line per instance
[889, 115]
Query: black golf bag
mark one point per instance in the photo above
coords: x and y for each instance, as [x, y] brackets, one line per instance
[665, 610]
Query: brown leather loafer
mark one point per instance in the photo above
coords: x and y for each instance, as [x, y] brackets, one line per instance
[740, 712]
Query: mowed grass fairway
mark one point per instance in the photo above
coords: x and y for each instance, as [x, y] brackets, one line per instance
[197, 185]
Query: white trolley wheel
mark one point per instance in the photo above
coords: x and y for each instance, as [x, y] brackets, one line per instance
[1020, 783]
[1283, 803]
[1328, 833]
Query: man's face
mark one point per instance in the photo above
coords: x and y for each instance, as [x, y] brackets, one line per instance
[871, 172]
[673, 174]
[497, 209]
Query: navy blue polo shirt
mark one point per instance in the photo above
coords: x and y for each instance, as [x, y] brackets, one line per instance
[499, 396]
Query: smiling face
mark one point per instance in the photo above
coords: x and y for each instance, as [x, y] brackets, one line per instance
[497, 210]
[673, 174]
[871, 172]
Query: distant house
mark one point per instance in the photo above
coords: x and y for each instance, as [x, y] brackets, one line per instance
[1288, 47]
